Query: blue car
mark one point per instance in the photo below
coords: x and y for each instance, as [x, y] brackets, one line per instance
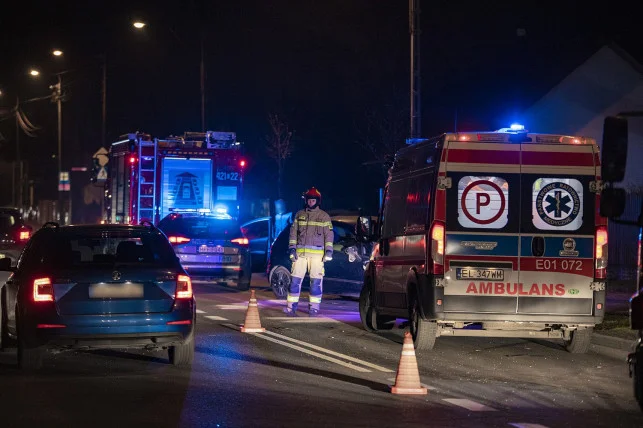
[96, 287]
[210, 247]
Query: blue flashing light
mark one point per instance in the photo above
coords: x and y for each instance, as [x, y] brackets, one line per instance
[517, 127]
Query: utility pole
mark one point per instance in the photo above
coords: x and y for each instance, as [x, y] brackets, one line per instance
[18, 197]
[414, 29]
[104, 102]
[57, 98]
[202, 85]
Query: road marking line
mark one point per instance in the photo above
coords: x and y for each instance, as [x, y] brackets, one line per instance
[469, 405]
[215, 318]
[316, 354]
[233, 307]
[303, 319]
[527, 425]
[328, 351]
[199, 311]
[432, 388]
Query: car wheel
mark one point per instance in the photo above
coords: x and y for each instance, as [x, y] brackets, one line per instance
[371, 321]
[182, 355]
[637, 377]
[4, 333]
[244, 282]
[280, 281]
[29, 357]
[365, 308]
[423, 332]
[579, 341]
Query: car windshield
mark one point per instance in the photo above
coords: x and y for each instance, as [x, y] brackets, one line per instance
[104, 246]
[201, 227]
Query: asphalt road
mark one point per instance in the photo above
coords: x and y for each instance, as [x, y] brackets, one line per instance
[318, 372]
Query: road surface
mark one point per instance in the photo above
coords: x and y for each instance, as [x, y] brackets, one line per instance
[318, 372]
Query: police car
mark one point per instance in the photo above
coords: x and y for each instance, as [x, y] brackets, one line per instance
[491, 234]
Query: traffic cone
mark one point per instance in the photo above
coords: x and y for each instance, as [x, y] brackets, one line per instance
[252, 323]
[407, 380]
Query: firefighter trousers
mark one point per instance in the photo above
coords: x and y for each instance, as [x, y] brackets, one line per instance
[315, 268]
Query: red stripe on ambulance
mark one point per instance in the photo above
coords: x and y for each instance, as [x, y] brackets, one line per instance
[557, 158]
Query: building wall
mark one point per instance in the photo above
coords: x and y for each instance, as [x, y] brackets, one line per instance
[606, 84]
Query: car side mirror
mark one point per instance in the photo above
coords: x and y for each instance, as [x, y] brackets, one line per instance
[364, 228]
[614, 150]
[612, 202]
[5, 265]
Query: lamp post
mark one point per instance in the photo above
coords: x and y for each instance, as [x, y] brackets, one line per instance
[57, 98]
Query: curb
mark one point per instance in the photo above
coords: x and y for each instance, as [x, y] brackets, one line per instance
[612, 347]
[612, 342]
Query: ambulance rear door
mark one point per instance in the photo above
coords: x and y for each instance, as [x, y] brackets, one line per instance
[482, 226]
[557, 228]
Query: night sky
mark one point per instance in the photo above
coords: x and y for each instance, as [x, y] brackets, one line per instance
[330, 67]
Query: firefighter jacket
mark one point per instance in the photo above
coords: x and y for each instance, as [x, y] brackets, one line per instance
[311, 232]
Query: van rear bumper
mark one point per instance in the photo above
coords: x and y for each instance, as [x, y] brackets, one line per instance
[436, 306]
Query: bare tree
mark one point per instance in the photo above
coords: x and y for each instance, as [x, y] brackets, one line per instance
[381, 132]
[280, 146]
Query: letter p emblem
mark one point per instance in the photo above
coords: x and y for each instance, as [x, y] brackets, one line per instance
[482, 200]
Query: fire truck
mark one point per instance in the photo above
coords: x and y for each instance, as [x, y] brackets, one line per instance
[149, 178]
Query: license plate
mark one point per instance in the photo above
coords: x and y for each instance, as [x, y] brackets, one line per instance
[128, 290]
[206, 249]
[479, 273]
[223, 259]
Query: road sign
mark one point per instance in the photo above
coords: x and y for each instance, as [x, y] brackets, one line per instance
[483, 202]
[102, 174]
[63, 181]
[102, 156]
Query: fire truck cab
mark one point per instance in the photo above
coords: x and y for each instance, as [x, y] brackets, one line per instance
[491, 234]
[150, 178]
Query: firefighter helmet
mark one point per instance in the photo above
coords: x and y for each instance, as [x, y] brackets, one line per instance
[312, 193]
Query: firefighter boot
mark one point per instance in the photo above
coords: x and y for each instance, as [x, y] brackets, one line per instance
[292, 311]
[313, 312]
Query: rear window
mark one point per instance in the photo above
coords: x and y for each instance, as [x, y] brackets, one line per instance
[201, 227]
[7, 221]
[104, 247]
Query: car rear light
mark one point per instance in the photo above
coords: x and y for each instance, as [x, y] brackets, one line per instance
[43, 291]
[24, 235]
[177, 240]
[183, 287]
[51, 326]
[240, 241]
[182, 322]
[437, 247]
[600, 253]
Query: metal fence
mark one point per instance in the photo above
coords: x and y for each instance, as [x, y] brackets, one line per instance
[623, 241]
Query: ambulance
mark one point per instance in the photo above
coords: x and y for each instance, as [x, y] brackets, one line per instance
[494, 234]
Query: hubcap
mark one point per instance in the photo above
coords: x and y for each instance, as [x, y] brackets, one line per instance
[280, 283]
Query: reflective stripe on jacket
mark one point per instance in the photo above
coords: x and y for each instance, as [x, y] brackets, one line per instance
[311, 232]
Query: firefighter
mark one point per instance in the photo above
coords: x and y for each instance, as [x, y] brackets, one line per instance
[310, 245]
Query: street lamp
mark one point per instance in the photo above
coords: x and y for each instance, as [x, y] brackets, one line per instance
[33, 72]
[138, 25]
[57, 52]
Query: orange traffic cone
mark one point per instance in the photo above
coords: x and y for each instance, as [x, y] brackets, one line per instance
[407, 380]
[252, 323]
